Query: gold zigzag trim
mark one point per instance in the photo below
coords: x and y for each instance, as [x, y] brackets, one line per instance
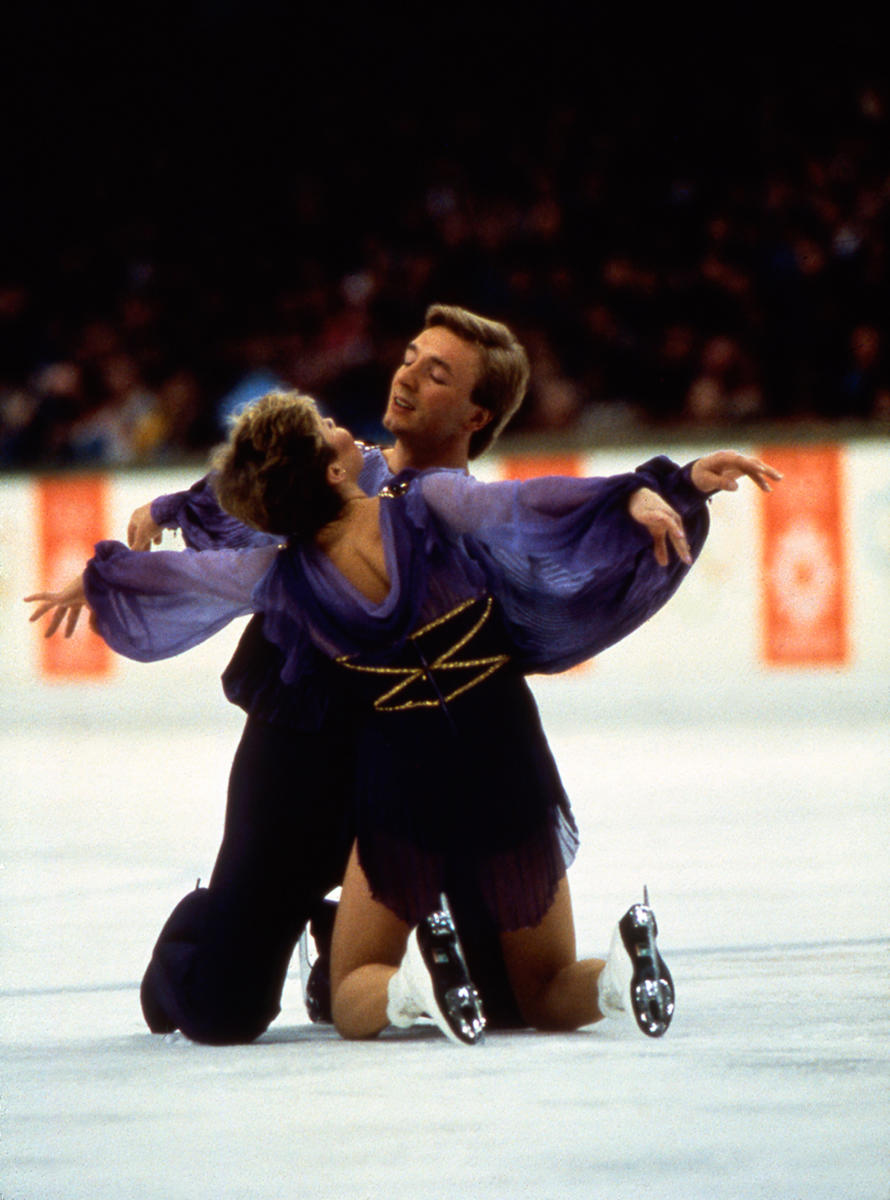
[444, 662]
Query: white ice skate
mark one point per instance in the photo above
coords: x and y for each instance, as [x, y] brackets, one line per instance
[432, 980]
[635, 980]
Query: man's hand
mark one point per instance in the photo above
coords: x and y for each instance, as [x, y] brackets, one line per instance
[720, 472]
[143, 530]
[67, 603]
[663, 523]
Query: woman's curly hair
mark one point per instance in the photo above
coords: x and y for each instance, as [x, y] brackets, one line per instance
[272, 471]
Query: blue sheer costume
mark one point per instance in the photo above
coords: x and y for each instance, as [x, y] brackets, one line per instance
[455, 785]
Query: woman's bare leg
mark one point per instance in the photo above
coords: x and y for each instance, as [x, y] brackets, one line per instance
[367, 947]
[554, 990]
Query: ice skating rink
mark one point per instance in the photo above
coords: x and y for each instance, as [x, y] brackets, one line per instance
[763, 839]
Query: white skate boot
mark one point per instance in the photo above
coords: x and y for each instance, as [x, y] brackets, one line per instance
[432, 980]
[635, 980]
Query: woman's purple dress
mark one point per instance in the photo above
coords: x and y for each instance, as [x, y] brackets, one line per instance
[456, 787]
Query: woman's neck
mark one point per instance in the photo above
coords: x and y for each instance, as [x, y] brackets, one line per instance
[354, 544]
[351, 516]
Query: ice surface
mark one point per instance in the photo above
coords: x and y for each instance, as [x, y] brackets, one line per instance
[765, 849]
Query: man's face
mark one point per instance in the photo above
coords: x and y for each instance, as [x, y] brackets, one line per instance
[429, 399]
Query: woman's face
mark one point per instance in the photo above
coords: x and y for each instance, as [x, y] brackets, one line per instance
[345, 447]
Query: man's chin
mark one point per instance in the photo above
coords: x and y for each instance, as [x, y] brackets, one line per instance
[393, 420]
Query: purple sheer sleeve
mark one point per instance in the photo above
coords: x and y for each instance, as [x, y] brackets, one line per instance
[573, 572]
[149, 606]
[203, 524]
[674, 483]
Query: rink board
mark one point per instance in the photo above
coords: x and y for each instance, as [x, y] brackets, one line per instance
[793, 585]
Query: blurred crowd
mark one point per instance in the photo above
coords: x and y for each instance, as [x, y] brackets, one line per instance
[739, 278]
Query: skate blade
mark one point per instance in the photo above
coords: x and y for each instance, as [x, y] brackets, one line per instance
[651, 989]
[463, 1012]
[653, 1006]
[461, 1017]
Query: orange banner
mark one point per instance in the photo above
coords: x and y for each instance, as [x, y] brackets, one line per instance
[805, 613]
[532, 466]
[72, 516]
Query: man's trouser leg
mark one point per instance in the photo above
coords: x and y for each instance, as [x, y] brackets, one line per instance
[219, 965]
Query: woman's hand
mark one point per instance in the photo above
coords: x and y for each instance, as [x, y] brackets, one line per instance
[143, 530]
[665, 525]
[65, 605]
[721, 471]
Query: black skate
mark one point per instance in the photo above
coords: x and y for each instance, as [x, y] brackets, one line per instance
[651, 986]
[453, 993]
[315, 968]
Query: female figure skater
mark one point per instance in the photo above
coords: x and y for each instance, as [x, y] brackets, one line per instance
[414, 594]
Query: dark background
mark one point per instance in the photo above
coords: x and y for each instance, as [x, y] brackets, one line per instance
[686, 222]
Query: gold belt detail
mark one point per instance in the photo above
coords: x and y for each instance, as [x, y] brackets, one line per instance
[443, 662]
